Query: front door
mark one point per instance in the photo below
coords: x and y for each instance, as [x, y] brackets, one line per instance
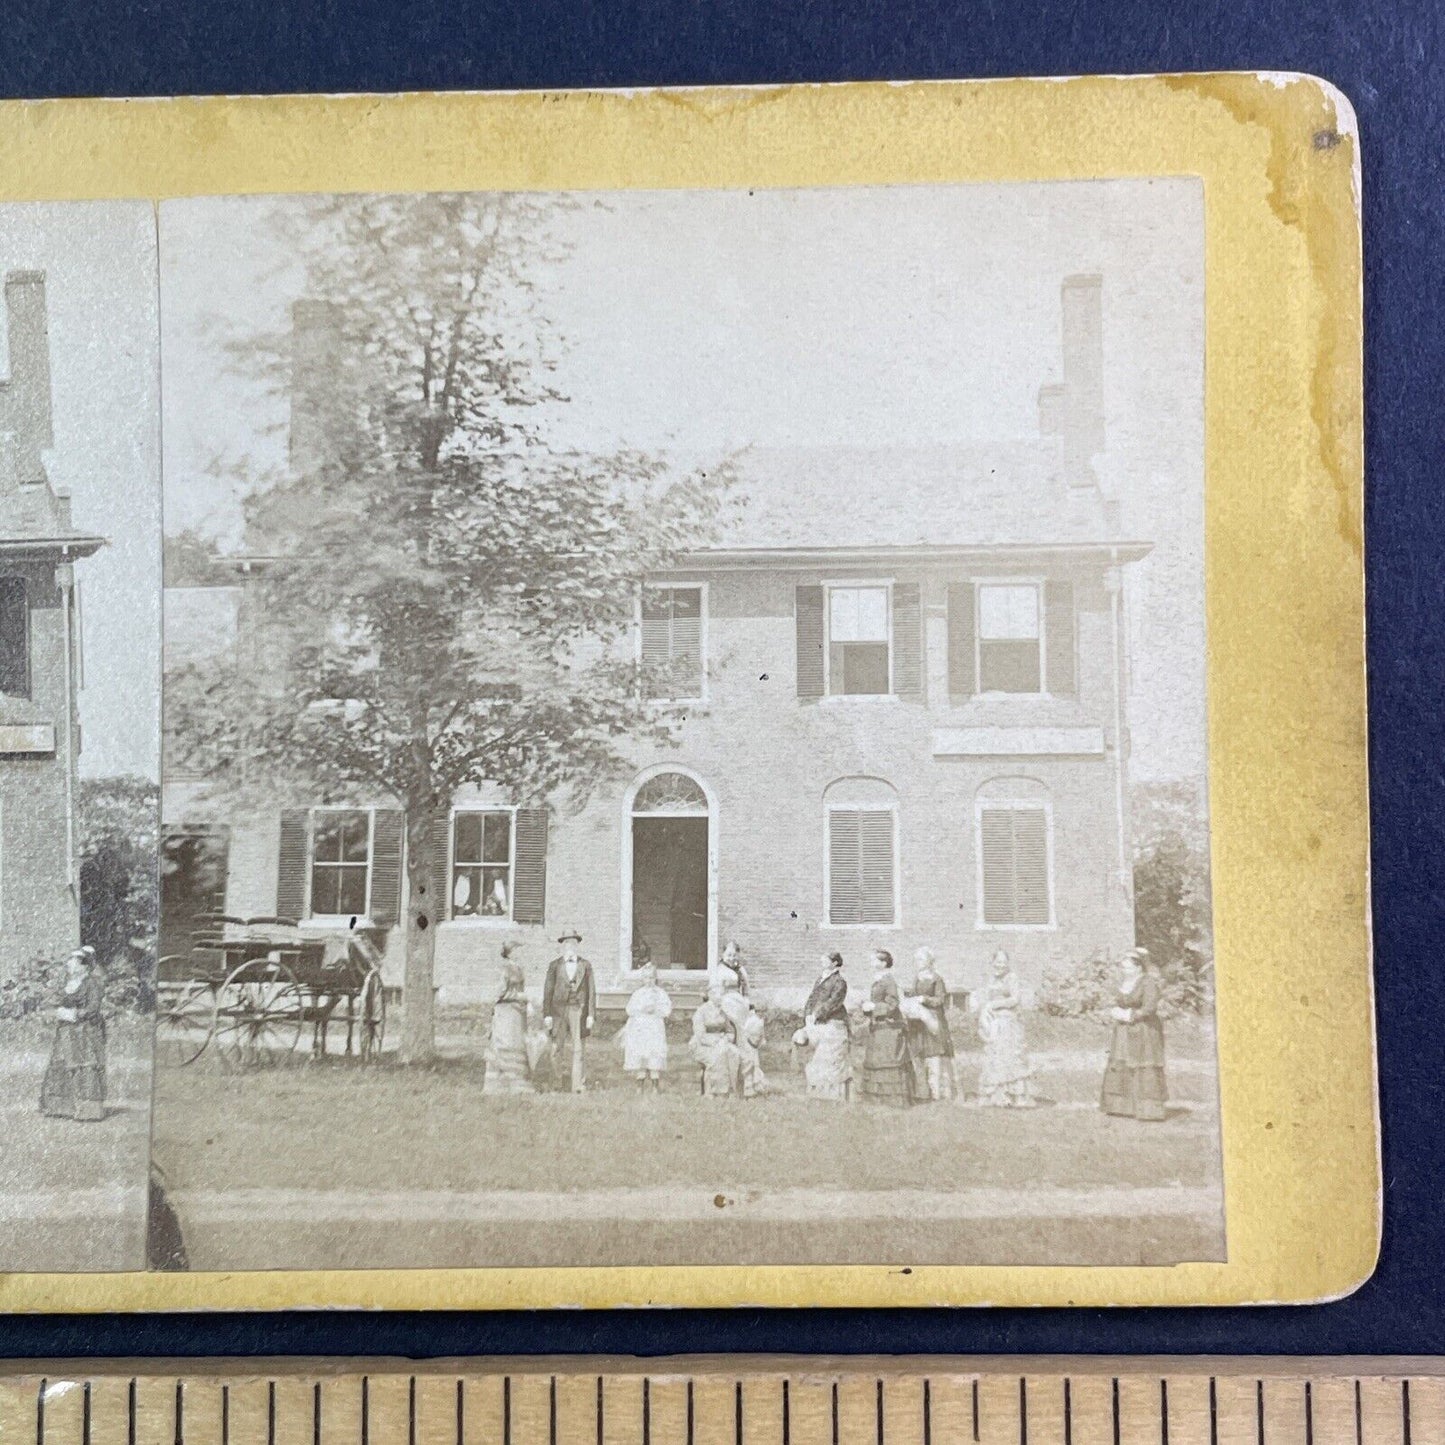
[667, 879]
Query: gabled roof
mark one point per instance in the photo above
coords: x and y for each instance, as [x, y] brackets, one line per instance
[956, 496]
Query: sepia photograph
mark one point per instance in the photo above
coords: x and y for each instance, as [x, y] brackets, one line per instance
[684, 732]
[80, 629]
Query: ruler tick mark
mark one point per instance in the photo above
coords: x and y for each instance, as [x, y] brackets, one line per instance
[1359, 1417]
[738, 1412]
[1405, 1411]
[1023, 1411]
[835, 1412]
[316, 1413]
[1068, 1412]
[461, 1411]
[40, 1414]
[85, 1415]
[599, 1410]
[927, 1414]
[646, 1411]
[271, 1412]
[411, 1411]
[975, 1409]
[689, 1413]
[506, 1410]
[1114, 1409]
[1213, 1413]
[787, 1422]
[1259, 1410]
[1309, 1415]
[551, 1412]
[1163, 1412]
[225, 1415]
[180, 1414]
[366, 1410]
[130, 1413]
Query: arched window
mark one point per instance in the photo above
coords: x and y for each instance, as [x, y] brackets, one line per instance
[861, 867]
[670, 793]
[1013, 820]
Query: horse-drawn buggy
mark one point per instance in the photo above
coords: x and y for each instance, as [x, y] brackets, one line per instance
[251, 988]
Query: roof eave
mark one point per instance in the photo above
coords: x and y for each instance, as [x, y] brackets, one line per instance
[74, 545]
[722, 558]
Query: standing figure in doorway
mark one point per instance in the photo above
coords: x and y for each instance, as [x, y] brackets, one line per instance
[1134, 1078]
[569, 1009]
[74, 1083]
[930, 1037]
[1006, 1079]
[887, 1063]
[509, 1069]
[829, 1072]
[644, 1035]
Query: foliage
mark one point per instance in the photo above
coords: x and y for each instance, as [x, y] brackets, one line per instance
[1082, 990]
[448, 599]
[120, 883]
[1172, 919]
[28, 989]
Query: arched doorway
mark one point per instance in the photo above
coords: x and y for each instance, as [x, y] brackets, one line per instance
[669, 871]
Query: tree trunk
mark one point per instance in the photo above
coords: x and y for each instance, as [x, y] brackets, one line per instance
[418, 1023]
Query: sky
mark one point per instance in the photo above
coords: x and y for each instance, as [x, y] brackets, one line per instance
[99, 260]
[704, 321]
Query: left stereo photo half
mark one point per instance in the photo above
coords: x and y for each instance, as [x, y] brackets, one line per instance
[80, 602]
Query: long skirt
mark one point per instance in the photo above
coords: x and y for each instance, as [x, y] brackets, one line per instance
[721, 1066]
[74, 1083]
[508, 1067]
[1006, 1078]
[830, 1070]
[887, 1066]
[644, 1045]
[1134, 1085]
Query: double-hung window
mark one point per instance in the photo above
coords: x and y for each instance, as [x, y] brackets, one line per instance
[482, 858]
[859, 633]
[341, 845]
[1010, 637]
[672, 643]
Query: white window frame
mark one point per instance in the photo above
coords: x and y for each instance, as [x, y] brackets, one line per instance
[339, 920]
[828, 810]
[858, 583]
[480, 920]
[1038, 584]
[1014, 805]
[702, 589]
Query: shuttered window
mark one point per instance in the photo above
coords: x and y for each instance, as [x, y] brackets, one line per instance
[482, 863]
[672, 646]
[1013, 849]
[529, 895]
[14, 638]
[1010, 657]
[861, 866]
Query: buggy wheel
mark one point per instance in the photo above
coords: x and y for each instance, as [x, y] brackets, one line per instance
[259, 1013]
[372, 1002]
[185, 1019]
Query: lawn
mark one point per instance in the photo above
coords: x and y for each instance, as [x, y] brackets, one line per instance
[308, 1145]
[72, 1195]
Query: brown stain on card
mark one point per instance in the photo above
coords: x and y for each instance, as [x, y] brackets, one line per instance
[1310, 170]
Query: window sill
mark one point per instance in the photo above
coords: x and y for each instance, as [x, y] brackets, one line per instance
[469, 922]
[1015, 927]
[337, 922]
[864, 697]
[862, 927]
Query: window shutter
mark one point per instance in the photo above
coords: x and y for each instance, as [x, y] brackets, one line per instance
[441, 882]
[529, 886]
[686, 652]
[1015, 847]
[907, 640]
[386, 867]
[1059, 629]
[875, 880]
[291, 865]
[1031, 866]
[810, 641]
[961, 656]
[845, 904]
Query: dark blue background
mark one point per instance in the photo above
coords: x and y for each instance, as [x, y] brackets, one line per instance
[1388, 58]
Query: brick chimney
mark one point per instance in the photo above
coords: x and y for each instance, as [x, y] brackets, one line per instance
[1083, 313]
[25, 425]
[318, 368]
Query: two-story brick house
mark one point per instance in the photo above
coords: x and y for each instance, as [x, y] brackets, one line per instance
[39, 653]
[904, 680]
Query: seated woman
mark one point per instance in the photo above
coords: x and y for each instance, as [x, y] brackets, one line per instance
[714, 1046]
[730, 971]
[644, 1035]
[509, 1067]
[829, 1073]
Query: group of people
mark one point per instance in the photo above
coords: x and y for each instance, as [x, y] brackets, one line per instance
[908, 1049]
[907, 1045]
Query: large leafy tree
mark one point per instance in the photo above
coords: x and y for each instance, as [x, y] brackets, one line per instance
[444, 598]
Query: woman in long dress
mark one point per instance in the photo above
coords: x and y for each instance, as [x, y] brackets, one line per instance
[509, 1066]
[887, 1062]
[644, 1035]
[714, 1047]
[74, 1083]
[1134, 1078]
[829, 1072]
[1006, 1079]
[931, 1038]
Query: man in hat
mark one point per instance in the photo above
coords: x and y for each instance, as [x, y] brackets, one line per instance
[569, 1006]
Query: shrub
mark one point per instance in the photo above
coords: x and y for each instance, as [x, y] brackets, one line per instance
[27, 991]
[120, 884]
[1172, 918]
[1082, 990]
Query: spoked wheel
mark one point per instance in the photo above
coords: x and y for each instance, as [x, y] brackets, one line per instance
[372, 1002]
[259, 1012]
[185, 1019]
